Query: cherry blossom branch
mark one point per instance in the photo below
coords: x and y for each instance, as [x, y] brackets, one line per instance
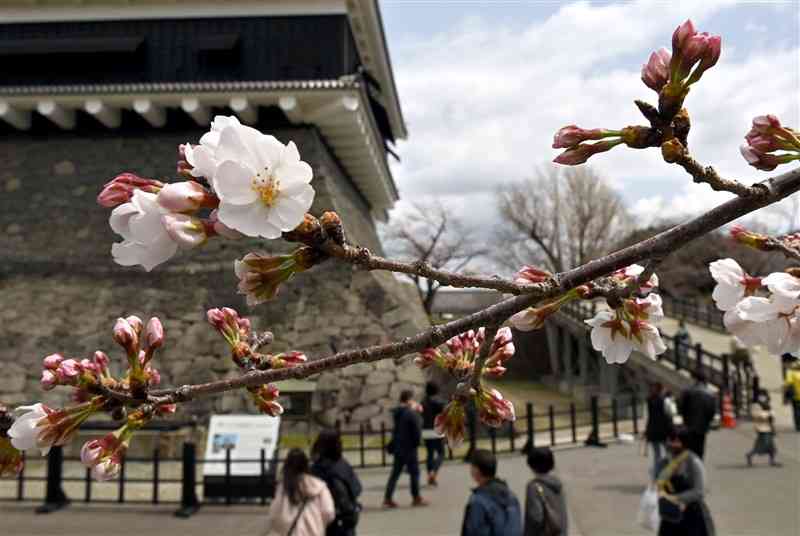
[363, 258]
[655, 247]
[674, 152]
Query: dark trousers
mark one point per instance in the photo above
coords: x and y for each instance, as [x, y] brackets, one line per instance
[796, 408]
[410, 462]
[435, 448]
[697, 443]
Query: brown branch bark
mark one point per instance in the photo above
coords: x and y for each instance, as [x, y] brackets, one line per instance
[708, 175]
[656, 247]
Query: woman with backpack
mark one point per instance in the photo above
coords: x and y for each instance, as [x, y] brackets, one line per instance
[545, 502]
[342, 482]
[302, 505]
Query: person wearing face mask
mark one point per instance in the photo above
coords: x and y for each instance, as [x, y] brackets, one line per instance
[681, 490]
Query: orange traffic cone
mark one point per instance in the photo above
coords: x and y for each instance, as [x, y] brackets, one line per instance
[728, 418]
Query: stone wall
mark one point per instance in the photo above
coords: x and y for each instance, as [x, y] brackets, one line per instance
[60, 290]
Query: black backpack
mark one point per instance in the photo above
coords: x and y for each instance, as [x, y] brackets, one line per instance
[345, 502]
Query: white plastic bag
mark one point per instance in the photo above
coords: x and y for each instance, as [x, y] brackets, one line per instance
[648, 509]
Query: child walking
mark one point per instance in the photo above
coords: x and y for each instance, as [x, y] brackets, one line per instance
[764, 423]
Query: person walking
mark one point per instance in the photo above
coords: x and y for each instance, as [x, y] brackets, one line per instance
[683, 340]
[792, 391]
[432, 406]
[302, 505]
[764, 423]
[492, 509]
[659, 423]
[406, 436]
[545, 501]
[698, 405]
[681, 489]
[343, 484]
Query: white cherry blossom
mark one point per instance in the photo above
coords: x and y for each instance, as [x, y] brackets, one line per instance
[24, 433]
[747, 332]
[202, 157]
[785, 287]
[145, 240]
[647, 339]
[611, 337]
[262, 184]
[733, 283]
[777, 322]
[635, 270]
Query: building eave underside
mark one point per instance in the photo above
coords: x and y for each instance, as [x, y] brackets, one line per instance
[338, 108]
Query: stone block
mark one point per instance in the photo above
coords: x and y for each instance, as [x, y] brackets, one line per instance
[380, 377]
[371, 393]
[399, 387]
[364, 413]
[408, 372]
[360, 369]
[13, 378]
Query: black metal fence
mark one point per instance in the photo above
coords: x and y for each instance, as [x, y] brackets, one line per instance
[174, 480]
[701, 313]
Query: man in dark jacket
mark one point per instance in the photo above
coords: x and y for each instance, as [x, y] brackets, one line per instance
[406, 436]
[492, 510]
[544, 488]
[698, 406]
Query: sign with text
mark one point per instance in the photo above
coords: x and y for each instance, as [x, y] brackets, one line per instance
[245, 436]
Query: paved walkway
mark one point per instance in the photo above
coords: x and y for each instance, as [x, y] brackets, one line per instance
[604, 486]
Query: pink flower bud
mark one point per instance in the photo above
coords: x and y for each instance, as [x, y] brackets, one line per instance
[216, 318]
[759, 160]
[91, 452]
[531, 274]
[451, 422]
[266, 398]
[572, 135]
[186, 231]
[166, 409]
[49, 380]
[681, 34]
[428, 357]
[493, 409]
[90, 367]
[581, 153]
[52, 361]
[68, 370]
[655, 73]
[712, 52]
[153, 376]
[120, 189]
[154, 334]
[136, 323]
[293, 358]
[101, 360]
[186, 196]
[766, 124]
[244, 327]
[126, 336]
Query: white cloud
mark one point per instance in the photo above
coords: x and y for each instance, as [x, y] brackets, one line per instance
[483, 101]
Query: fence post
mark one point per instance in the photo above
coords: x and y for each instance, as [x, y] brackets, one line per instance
[572, 423]
[383, 444]
[595, 419]
[263, 477]
[228, 482]
[87, 482]
[529, 418]
[493, 438]
[55, 498]
[361, 444]
[121, 481]
[635, 412]
[552, 418]
[21, 479]
[156, 473]
[726, 371]
[615, 416]
[189, 502]
[511, 436]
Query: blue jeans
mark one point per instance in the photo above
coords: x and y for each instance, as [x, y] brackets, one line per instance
[410, 462]
[435, 448]
[658, 455]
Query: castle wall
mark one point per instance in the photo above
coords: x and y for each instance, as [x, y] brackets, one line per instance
[61, 291]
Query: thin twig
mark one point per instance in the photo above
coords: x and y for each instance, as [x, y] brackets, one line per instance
[708, 175]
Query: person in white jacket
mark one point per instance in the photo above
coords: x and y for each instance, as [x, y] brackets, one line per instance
[302, 506]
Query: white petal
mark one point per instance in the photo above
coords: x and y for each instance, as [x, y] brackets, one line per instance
[129, 253]
[295, 172]
[783, 284]
[232, 146]
[204, 165]
[726, 296]
[758, 309]
[250, 220]
[269, 150]
[288, 213]
[726, 271]
[290, 154]
[233, 183]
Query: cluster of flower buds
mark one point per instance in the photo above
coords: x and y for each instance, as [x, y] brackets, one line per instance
[104, 456]
[759, 310]
[260, 192]
[492, 410]
[236, 332]
[767, 136]
[461, 351]
[260, 274]
[83, 374]
[265, 398]
[140, 343]
[572, 139]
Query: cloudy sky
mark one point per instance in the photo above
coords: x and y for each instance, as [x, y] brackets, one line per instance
[484, 85]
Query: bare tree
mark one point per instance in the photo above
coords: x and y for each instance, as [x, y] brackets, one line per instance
[558, 219]
[431, 233]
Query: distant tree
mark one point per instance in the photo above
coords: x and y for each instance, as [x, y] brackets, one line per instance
[558, 219]
[431, 233]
